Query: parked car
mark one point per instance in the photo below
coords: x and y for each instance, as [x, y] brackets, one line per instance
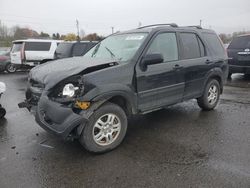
[72, 49]
[2, 90]
[33, 52]
[128, 73]
[5, 64]
[239, 55]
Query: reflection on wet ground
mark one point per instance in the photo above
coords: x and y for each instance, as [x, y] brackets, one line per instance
[180, 146]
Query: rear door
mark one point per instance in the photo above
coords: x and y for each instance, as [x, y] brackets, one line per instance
[161, 84]
[194, 61]
[16, 51]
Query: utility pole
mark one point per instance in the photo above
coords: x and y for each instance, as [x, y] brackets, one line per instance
[77, 28]
[200, 22]
[139, 24]
[112, 29]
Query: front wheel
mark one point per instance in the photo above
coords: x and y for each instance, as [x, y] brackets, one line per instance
[105, 130]
[10, 68]
[211, 96]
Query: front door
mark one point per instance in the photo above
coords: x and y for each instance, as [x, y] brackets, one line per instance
[160, 84]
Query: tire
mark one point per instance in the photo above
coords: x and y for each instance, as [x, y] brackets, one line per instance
[10, 68]
[211, 96]
[229, 76]
[2, 112]
[108, 133]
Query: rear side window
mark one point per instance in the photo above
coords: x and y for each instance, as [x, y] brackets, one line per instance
[17, 47]
[37, 46]
[165, 44]
[214, 44]
[190, 46]
[242, 42]
[79, 49]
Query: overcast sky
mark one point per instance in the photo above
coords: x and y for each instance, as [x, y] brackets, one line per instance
[100, 15]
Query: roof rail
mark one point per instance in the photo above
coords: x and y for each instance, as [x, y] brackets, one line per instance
[195, 26]
[169, 24]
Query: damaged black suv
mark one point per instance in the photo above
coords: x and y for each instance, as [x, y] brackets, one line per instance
[135, 72]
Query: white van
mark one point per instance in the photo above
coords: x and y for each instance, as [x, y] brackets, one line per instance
[33, 51]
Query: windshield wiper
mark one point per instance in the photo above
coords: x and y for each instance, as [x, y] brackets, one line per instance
[111, 53]
[95, 50]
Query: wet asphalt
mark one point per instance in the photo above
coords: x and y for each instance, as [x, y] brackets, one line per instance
[180, 146]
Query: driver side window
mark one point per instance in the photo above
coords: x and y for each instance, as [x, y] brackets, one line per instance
[165, 44]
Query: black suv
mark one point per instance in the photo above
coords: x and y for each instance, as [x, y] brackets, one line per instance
[239, 55]
[133, 72]
[72, 49]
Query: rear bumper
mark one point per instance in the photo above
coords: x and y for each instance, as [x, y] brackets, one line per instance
[56, 118]
[239, 69]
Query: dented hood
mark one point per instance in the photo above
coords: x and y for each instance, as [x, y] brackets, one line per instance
[53, 72]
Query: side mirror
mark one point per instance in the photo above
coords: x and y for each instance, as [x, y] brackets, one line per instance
[151, 59]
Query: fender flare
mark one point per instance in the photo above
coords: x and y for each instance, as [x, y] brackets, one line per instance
[216, 72]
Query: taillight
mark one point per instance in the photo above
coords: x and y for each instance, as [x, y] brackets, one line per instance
[22, 53]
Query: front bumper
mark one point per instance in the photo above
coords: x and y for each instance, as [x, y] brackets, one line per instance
[57, 118]
[239, 69]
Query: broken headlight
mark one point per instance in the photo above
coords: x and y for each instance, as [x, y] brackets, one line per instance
[69, 90]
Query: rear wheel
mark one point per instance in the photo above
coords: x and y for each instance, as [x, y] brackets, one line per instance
[10, 68]
[211, 95]
[105, 130]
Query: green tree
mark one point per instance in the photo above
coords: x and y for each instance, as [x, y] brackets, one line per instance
[23, 33]
[93, 37]
[44, 35]
[56, 36]
[70, 37]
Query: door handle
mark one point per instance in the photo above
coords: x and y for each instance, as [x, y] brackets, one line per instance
[208, 61]
[177, 67]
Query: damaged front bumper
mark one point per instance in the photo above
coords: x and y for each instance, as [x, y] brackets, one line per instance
[57, 118]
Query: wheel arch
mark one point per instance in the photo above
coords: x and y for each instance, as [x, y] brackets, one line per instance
[216, 74]
[125, 101]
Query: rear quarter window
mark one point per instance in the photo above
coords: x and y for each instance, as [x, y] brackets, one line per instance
[37, 46]
[241, 42]
[17, 47]
[214, 44]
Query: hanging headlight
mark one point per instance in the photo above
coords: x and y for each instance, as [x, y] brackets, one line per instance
[69, 90]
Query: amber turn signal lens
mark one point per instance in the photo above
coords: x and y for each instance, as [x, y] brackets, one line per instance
[82, 105]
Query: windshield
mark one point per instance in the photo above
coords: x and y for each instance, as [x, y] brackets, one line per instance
[240, 43]
[17, 47]
[122, 47]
